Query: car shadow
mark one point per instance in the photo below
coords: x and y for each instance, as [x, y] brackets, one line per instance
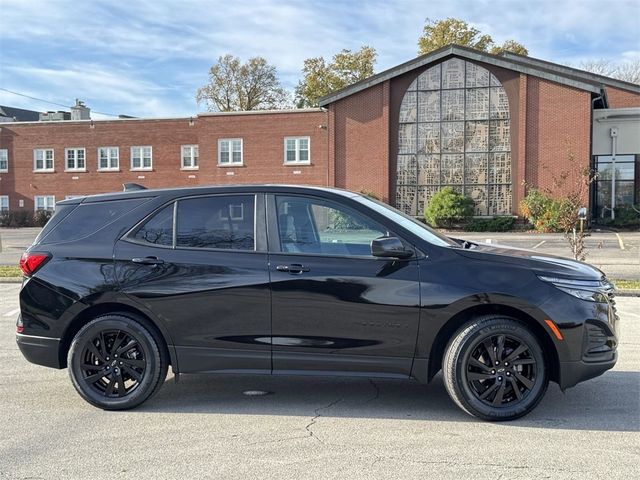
[608, 403]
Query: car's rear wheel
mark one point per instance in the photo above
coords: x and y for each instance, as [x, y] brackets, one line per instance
[116, 363]
[494, 368]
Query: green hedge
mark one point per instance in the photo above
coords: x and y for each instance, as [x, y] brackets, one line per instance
[495, 224]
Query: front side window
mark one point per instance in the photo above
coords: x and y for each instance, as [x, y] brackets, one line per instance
[108, 158]
[4, 203]
[315, 226]
[75, 159]
[221, 221]
[158, 230]
[43, 160]
[296, 150]
[44, 202]
[230, 151]
[141, 158]
[4, 160]
[189, 157]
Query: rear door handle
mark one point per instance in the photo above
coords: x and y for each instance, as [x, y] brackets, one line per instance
[294, 268]
[148, 261]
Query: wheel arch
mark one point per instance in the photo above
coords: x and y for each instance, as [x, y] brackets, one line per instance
[445, 333]
[112, 308]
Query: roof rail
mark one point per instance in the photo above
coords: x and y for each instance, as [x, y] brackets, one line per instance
[132, 187]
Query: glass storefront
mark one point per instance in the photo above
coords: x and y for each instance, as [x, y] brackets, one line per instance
[626, 190]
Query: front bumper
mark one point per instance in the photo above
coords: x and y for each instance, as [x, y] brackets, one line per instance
[572, 373]
[39, 350]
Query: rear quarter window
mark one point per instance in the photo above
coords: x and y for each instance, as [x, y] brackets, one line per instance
[88, 218]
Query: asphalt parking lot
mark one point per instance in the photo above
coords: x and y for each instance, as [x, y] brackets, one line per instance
[617, 254]
[204, 427]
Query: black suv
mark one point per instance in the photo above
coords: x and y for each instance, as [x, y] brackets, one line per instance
[301, 280]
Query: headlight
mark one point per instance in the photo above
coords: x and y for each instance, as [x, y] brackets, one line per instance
[590, 290]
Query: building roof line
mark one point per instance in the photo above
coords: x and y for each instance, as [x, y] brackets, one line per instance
[534, 67]
[576, 72]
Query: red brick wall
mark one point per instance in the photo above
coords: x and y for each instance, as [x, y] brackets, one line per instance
[263, 142]
[619, 98]
[558, 124]
[361, 132]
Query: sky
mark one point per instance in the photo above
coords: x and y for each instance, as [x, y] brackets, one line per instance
[146, 58]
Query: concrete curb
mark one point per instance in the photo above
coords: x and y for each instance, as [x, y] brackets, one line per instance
[619, 293]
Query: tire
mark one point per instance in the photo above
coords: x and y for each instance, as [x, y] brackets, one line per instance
[116, 363]
[492, 391]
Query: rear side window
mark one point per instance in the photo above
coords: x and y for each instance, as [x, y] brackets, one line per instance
[223, 221]
[88, 218]
[158, 229]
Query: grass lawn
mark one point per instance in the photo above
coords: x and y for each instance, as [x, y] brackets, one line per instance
[627, 284]
[9, 271]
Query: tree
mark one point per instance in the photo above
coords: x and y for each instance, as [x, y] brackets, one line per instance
[510, 46]
[236, 86]
[321, 77]
[438, 34]
[628, 71]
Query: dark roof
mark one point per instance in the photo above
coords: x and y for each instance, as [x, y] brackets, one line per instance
[19, 114]
[531, 66]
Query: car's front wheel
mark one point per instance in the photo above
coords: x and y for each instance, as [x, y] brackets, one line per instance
[116, 363]
[494, 368]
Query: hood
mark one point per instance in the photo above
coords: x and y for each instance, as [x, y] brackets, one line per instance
[541, 263]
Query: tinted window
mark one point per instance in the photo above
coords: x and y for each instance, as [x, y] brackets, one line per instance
[88, 218]
[315, 226]
[216, 222]
[158, 229]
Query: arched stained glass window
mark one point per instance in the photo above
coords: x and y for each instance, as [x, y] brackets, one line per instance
[454, 131]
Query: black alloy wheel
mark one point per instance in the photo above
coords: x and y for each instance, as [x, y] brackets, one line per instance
[116, 363]
[500, 370]
[494, 368]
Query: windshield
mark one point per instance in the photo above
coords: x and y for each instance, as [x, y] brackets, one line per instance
[414, 226]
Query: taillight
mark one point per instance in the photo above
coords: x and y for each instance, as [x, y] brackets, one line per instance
[31, 262]
[19, 325]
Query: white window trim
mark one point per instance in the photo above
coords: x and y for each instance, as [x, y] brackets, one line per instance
[35, 203]
[192, 167]
[109, 158]
[44, 161]
[6, 151]
[8, 208]
[141, 168]
[76, 169]
[231, 163]
[297, 161]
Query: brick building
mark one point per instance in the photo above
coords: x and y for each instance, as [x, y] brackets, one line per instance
[487, 125]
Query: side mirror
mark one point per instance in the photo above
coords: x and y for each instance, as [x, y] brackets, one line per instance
[389, 247]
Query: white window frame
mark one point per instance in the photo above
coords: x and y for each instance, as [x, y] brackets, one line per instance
[193, 154]
[4, 158]
[230, 142]
[75, 159]
[47, 207]
[44, 160]
[110, 158]
[4, 203]
[141, 156]
[297, 161]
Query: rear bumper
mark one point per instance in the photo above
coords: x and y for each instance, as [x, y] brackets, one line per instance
[572, 373]
[39, 350]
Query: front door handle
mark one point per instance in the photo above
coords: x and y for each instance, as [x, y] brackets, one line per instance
[294, 268]
[148, 261]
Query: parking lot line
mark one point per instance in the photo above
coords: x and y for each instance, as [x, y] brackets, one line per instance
[11, 313]
[620, 241]
[539, 244]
